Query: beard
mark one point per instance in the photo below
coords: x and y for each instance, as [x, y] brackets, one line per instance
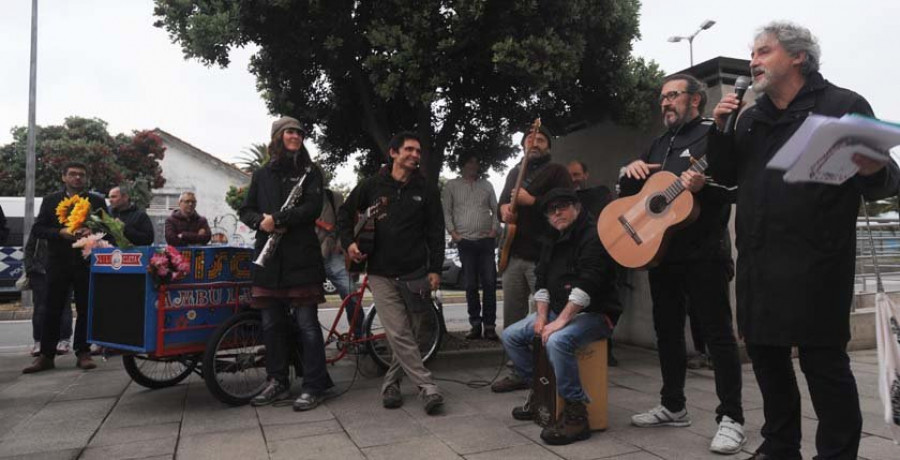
[672, 122]
[765, 82]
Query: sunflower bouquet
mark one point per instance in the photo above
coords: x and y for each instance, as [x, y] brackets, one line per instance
[74, 213]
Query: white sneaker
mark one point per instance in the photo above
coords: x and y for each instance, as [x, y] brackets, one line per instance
[729, 437]
[660, 416]
[63, 347]
[36, 349]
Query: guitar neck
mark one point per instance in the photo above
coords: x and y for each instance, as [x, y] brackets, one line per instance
[515, 191]
[699, 165]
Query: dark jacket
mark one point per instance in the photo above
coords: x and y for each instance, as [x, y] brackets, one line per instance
[35, 258]
[577, 259]
[410, 236]
[542, 176]
[138, 227]
[703, 239]
[796, 242]
[59, 249]
[298, 260]
[4, 230]
[594, 199]
[189, 228]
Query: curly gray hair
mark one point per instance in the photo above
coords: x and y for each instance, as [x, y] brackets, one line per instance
[795, 39]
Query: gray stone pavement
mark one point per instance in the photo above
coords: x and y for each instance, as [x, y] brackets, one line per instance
[101, 414]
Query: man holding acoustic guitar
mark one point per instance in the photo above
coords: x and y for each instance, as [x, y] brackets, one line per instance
[692, 272]
[520, 247]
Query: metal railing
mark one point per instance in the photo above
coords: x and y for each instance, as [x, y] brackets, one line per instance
[886, 239]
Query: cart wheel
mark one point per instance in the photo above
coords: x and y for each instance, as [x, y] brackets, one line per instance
[234, 365]
[157, 373]
[426, 327]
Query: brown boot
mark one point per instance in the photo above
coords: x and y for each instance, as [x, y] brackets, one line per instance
[572, 426]
[85, 362]
[41, 363]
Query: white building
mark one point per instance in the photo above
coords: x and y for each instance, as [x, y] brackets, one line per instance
[187, 168]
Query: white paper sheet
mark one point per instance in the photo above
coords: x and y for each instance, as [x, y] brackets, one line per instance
[822, 148]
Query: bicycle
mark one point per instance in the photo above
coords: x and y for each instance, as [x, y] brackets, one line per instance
[234, 363]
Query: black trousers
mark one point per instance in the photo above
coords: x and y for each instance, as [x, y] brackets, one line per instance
[703, 285]
[832, 388]
[62, 277]
[480, 267]
[277, 322]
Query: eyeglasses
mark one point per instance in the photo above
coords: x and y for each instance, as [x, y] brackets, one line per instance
[76, 174]
[558, 206]
[189, 201]
[670, 96]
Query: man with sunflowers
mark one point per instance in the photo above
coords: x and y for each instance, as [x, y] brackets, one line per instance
[61, 222]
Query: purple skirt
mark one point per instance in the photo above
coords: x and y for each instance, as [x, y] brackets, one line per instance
[299, 295]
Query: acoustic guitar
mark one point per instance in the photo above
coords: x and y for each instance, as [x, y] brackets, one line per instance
[509, 230]
[635, 229]
[364, 232]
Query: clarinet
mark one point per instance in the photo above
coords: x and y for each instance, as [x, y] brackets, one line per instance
[274, 238]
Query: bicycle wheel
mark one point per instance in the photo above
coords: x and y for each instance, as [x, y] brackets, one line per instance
[155, 373]
[426, 327]
[337, 336]
[234, 365]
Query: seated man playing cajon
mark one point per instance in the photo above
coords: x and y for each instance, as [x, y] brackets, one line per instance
[575, 296]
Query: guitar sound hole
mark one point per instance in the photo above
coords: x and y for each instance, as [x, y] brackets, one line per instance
[657, 204]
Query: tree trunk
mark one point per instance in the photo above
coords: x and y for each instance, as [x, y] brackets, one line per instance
[432, 157]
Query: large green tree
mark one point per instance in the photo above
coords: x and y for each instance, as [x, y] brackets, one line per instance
[464, 74]
[112, 160]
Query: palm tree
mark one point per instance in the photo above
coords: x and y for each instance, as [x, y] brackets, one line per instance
[254, 158]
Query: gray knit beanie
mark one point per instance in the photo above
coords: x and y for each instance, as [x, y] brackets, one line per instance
[284, 123]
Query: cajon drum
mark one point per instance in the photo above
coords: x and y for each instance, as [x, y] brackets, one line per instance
[593, 372]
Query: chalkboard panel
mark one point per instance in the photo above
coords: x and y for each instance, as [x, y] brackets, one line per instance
[118, 303]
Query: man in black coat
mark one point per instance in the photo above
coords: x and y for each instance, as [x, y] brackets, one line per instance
[693, 273]
[576, 297]
[404, 263]
[66, 269]
[796, 245]
[541, 175]
[138, 227]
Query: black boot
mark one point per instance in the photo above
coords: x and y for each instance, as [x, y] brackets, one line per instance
[475, 333]
[572, 426]
[526, 411]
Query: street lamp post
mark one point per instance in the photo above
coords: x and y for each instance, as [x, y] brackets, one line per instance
[690, 38]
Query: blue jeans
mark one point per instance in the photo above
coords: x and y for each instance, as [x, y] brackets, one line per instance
[336, 272]
[581, 331]
[277, 322]
[479, 265]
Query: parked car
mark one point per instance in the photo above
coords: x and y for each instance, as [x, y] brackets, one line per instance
[452, 270]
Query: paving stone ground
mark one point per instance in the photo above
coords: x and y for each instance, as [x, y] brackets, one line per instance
[102, 414]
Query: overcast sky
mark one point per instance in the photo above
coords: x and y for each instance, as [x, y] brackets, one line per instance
[104, 59]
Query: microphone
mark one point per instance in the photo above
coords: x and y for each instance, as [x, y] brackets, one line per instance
[740, 87]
